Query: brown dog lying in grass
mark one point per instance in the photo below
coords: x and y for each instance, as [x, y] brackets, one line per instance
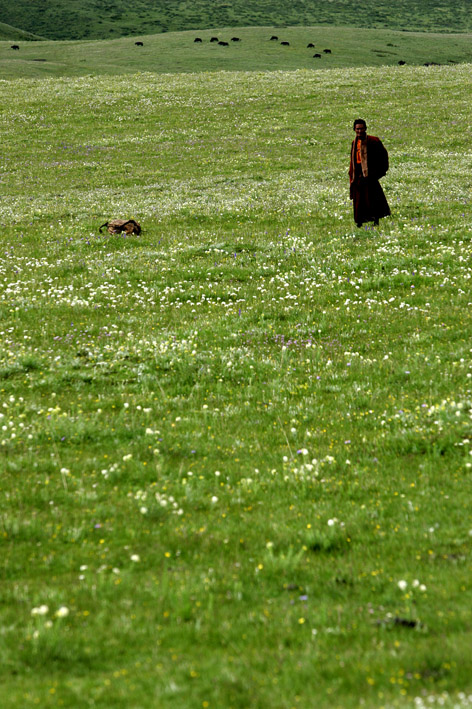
[116, 226]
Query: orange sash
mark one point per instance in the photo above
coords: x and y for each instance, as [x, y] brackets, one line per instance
[358, 152]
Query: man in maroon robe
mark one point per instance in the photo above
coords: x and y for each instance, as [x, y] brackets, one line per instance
[369, 162]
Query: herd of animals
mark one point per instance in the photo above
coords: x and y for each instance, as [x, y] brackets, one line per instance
[274, 38]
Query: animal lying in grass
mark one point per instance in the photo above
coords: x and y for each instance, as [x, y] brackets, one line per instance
[116, 226]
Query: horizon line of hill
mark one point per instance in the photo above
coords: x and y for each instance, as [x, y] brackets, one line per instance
[107, 19]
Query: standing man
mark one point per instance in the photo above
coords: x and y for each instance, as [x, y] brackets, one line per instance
[369, 162]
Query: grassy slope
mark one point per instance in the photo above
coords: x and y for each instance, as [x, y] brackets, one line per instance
[177, 52]
[250, 330]
[99, 19]
[7, 32]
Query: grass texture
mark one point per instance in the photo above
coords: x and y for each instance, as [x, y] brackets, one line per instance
[235, 450]
[13, 33]
[177, 52]
[99, 19]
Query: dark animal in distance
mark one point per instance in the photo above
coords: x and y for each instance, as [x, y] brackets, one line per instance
[139, 44]
[214, 39]
[405, 622]
[274, 37]
[116, 226]
[235, 39]
[285, 44]
[310, 46]
[197, 39]
[14, 46]
[401, 62]
[224, 44]
[316, 56]
[327, 51]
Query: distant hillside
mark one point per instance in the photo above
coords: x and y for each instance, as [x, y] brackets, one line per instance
[13, 33]
[102, 19]
[177, 52]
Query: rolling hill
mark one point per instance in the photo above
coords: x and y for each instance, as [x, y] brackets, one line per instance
[100, 19]
[177, 52]
[7, 32]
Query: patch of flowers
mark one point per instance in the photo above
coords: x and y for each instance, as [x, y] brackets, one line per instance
[305, 468]
[152, 500]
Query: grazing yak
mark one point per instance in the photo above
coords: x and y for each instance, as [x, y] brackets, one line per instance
[214, 39]
[274, 37]
[235, 39]
[401, 62]
[310, 46]
[285, 44]
[139, 44]
[327, 51]
[224, 44]
[316, 56]
[14, 46]
[197, 39]
[116, 226]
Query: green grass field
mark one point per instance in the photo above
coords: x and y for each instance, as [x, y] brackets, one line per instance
[235, 450]
[99, 19]
[176, 52]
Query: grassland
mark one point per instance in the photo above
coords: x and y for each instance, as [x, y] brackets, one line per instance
[176, 52]
[9, 33]
[98, 19]
[235, 450]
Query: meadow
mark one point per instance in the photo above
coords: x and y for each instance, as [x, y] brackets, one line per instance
[177, 52]
[236, 449]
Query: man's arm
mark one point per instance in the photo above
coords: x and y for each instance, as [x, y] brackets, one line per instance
[381, 159]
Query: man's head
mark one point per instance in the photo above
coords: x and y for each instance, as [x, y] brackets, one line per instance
[360, 128]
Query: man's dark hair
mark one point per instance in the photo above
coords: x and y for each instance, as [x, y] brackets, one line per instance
[359, 120]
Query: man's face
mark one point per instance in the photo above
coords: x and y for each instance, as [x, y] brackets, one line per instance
[360, 130]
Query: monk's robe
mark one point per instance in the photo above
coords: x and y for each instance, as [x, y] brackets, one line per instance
[369, 162]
